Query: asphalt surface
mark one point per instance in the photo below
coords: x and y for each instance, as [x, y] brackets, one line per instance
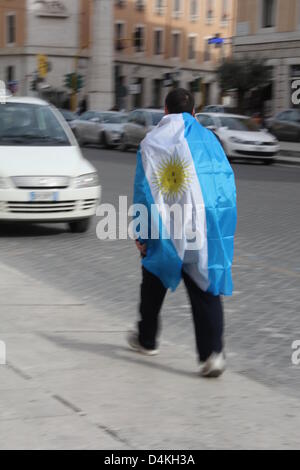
[262, 318]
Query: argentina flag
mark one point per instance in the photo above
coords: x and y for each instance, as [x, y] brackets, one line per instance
[185, 182]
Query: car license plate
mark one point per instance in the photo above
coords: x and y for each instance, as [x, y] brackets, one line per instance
[43, 196]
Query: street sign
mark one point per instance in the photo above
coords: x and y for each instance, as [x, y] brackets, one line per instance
[135, 89]
[216, 40]
[42, 65]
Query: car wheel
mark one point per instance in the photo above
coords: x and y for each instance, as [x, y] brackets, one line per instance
[103, 141]
[80, 226]
[124, 143]
[269, 162]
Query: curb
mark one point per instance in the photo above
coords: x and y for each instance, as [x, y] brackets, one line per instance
[288, 160]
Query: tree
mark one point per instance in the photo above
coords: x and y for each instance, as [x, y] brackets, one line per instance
[243, 75]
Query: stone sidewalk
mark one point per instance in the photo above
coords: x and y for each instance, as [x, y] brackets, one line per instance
[71, 383]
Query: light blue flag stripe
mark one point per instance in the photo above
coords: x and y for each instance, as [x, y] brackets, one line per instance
[162, 259]
[217, 183]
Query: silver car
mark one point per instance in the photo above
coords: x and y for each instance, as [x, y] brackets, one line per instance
[140, 122]
[113, 129]
[88, 128]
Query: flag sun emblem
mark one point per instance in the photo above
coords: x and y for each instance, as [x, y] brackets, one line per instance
[172, 177]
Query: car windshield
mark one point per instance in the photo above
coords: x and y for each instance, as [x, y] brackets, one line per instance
[239, 124]
[30, 125]
[156, 118]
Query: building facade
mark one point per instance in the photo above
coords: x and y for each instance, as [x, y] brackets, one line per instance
[58, 33]
[31, 29]
[12, 40]
[270, 29]
[163, 42]
[129, 52]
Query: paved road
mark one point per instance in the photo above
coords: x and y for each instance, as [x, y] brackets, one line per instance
[262, 317]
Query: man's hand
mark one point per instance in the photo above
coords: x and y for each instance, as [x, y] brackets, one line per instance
[142, 248]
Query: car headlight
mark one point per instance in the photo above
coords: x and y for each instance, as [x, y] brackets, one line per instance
[4, 183]
[87, 181]
[236, 140]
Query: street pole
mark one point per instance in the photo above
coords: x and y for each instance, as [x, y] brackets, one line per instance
[101, 87]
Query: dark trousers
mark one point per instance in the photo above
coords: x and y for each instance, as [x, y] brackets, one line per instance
[207, 315]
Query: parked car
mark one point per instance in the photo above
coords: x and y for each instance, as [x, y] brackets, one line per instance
[286, 125]
[68, 115]
[217, 108]
[241, 137]
[139, 123]
[88, 128]
[43, 175]
[113, 129]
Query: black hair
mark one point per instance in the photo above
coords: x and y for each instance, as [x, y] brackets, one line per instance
[180, 101]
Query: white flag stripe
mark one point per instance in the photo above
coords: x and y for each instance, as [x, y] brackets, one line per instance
[166, 142]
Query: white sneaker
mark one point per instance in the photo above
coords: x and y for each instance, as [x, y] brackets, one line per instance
[214, 367]
[134, 344]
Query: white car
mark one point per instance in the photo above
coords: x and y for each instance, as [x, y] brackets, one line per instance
[43, 175]
[241, 137]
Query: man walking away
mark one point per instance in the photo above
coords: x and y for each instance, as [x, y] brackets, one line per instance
[182, 163]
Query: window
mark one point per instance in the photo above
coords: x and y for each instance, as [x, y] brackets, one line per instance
[177, 8]
[192, 47]
[119, 36]
[156, 118]
[141, 119]
[31, 125]
[268, 13]
[295, 116]
[158, 41]
[87, 116]
[139, 38]
[193, 9]
[238, 124]
[10, 74]
[176, 42]
[11, 29]
[290, 116]
[209, 10]
[140, 5]
[160, 7]
[225, 11]
[120, 3]
[133, 117]
[205, 120]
